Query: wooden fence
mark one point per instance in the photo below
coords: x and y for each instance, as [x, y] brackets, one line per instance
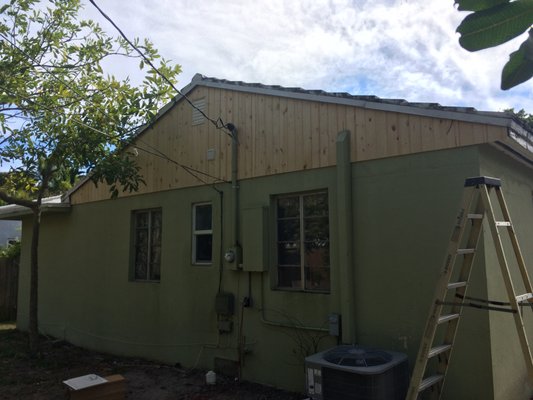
[9, 272]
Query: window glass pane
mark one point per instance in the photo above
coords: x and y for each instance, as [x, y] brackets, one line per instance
[141, 253]
[156, 220]
[289, 277]
[316, 255]
[155, 264]
[156, 235]
[204, 248]
[147, 245]
[316, 205]
[289, 230]
[289, 207]
[141, 220]
[313, 260]
[289, 253]
[317, 278]
[203, 215]
[316, 229]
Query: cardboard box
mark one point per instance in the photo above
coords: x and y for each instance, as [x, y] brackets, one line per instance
[111, 387]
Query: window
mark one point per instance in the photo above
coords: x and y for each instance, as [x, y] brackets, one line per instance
[202, 233]
[303, 241]
[147, 245]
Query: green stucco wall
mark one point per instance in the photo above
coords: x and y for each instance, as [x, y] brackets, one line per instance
[510, 378]
[403, 212]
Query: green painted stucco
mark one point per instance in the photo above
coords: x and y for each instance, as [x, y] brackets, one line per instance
[403, 211]
[510, 378]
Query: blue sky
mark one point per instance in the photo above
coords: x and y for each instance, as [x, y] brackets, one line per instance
[389, 48]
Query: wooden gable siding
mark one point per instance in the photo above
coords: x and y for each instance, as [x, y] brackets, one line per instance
[278, 135]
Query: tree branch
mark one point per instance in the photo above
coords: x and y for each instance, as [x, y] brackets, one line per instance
[15, 200]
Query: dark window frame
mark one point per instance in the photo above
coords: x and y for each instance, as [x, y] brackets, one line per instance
[152, 268]
[301, 240]
[202, 233]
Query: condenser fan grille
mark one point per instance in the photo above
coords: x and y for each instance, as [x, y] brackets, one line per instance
[351, 356]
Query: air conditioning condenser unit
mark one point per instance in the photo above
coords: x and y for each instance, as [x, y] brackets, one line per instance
[357, 373]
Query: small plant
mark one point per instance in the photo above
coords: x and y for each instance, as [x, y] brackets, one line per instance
[11, 251]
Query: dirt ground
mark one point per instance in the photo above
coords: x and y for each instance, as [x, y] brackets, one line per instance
[40, 377]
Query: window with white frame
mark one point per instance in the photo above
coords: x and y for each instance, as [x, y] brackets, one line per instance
[202, 234]
[303, 261]
[147, 229]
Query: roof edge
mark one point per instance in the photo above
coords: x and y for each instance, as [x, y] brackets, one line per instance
[49, 205]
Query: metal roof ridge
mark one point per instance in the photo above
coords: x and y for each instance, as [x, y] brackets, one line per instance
[464, 113]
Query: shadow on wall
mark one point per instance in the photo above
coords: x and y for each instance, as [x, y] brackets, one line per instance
[9, 270]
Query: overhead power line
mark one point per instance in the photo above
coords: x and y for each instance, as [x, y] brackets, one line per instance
[218, 123]
[130, 141]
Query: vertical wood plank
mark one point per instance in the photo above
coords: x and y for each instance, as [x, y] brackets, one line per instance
[371, 134]
[349, 124]
[274, 140]
[266, 127]
[404, 134]
[392, 134]
[324, 136]
[380, 133]
[283, 148]
[427, 134]
[315, 135]
[307, 136]
[261, 148]
[290, 155]
[496, 133]
[360, 146]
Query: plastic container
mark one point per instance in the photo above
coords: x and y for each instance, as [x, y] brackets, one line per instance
[211, 378]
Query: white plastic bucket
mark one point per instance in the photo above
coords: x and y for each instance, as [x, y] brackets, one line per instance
[211, 378]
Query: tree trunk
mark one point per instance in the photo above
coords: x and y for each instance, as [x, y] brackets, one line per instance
[34, 282]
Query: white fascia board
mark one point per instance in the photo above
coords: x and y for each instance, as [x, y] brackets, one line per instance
[49, 205]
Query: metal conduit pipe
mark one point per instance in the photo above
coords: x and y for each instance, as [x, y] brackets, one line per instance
[235, 190]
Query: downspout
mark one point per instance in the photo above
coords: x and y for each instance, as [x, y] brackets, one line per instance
[237, 253]
[345, 238]
[235, 191]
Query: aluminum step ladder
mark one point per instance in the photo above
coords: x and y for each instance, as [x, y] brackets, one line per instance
[476, 206]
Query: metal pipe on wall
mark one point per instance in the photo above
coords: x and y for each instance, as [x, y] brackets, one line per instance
[345, 237]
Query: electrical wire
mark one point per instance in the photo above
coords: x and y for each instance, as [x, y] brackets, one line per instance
[156, 153]
[132, 140]
[218, 123]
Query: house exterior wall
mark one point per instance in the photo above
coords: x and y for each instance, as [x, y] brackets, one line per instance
[510, 375]
[403, 211]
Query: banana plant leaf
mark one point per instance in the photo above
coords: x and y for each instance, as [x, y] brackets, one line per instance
[496, 25]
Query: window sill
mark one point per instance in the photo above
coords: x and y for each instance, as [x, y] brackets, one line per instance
[288, 289]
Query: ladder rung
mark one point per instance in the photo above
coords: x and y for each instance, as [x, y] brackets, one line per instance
[466, 251]
[438, 350]
[475, 216]
[455, 285]
[503, 223]
[430, 381]
[447, 317]
[524, 297]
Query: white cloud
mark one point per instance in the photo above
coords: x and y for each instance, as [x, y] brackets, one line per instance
[406, 49]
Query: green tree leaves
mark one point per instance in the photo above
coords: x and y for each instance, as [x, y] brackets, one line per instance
[61, 115]
[494, 22]
[59, 110]
[519, 68]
